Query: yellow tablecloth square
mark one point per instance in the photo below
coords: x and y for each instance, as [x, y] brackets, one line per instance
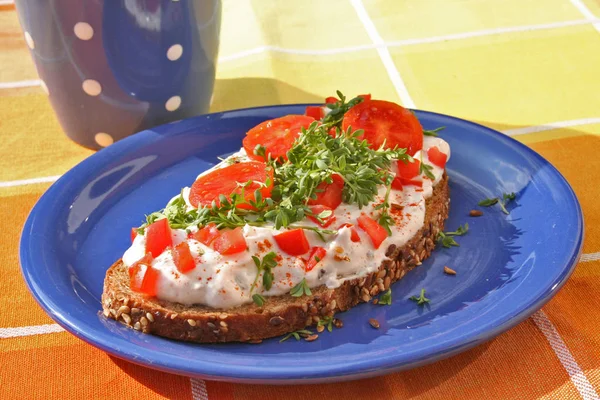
[508, 80]
[333, 24]
[287, 78]
[401, 20]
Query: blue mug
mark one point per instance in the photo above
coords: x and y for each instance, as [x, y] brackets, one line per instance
[115, 67]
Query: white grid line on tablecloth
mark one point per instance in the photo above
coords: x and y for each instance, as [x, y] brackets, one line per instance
[408, 42]
[580, 5]
[584, 387]
[199, 391]
[6, 333]
[384, 54]
[551, 126]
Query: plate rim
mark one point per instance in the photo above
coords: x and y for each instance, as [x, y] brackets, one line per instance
[253, 374]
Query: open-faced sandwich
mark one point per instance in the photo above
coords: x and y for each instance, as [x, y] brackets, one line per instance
[315, 214]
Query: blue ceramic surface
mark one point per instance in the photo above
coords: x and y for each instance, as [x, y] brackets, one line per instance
[508, 266]
[114, 67]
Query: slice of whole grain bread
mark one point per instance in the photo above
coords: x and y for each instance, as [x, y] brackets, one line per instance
[280, 314]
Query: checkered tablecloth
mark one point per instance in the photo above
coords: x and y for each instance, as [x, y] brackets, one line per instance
[529, 68]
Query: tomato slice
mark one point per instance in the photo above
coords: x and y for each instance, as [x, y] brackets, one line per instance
[142, 277]
[158, 237]
[293, 242]
[207, 234]
[408, 170]
[230, 241]
[354, 236]
[224, 181]
[316, 255]
[385, 121]
[397, 183]
[330, 100]
[437, 157]
[276, 135]
[315, 112]
[329, 194]
[376, 232]
[318, 209]
[183, 259]
[133, 234]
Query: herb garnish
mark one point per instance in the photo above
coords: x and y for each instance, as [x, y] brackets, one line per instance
[258, 299]
[433, 132]
[314, 158]
[296, 335]
[446, 238]
[506, 198]
[338, 109]
[386, 298]
[421, 300]
[265, 266]
[326, 322]
[385, 219]
[301, 289]
[426, 169]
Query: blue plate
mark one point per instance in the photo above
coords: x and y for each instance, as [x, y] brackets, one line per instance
[508, 266]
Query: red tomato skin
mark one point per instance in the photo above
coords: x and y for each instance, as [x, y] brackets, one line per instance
[292, 242]
[366, 97]
[133, 234]
[276, 135]
[183, 259]
[385, 121]
[376, 232]
[354, 236]
[330, 100]
[437, 157]
[207, 234]
[318, 209]
[315, 112]
[329, 194]
[408, 170]
[397, 183]
[316, 255]
[158, 237]
[208, 188]
[231, 241]
[143, 278]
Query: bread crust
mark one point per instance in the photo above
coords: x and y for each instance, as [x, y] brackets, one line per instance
[281, 314]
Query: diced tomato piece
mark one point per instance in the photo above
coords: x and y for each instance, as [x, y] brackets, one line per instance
[318, 209]
[329, 194]
[133, 234]
[183, 259]
[413, 182]
[365, 96]
[293, 242]
[376, 232]
[158, 237]
[276, 135]
[224, 181]
[354, 236]
[315, 112]
[142, 277]
[384, 121]
[207, 234]
[409, 169]
[316, 255]
[230, 241]
[330, 100]
[437, 157]
[397, 183]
